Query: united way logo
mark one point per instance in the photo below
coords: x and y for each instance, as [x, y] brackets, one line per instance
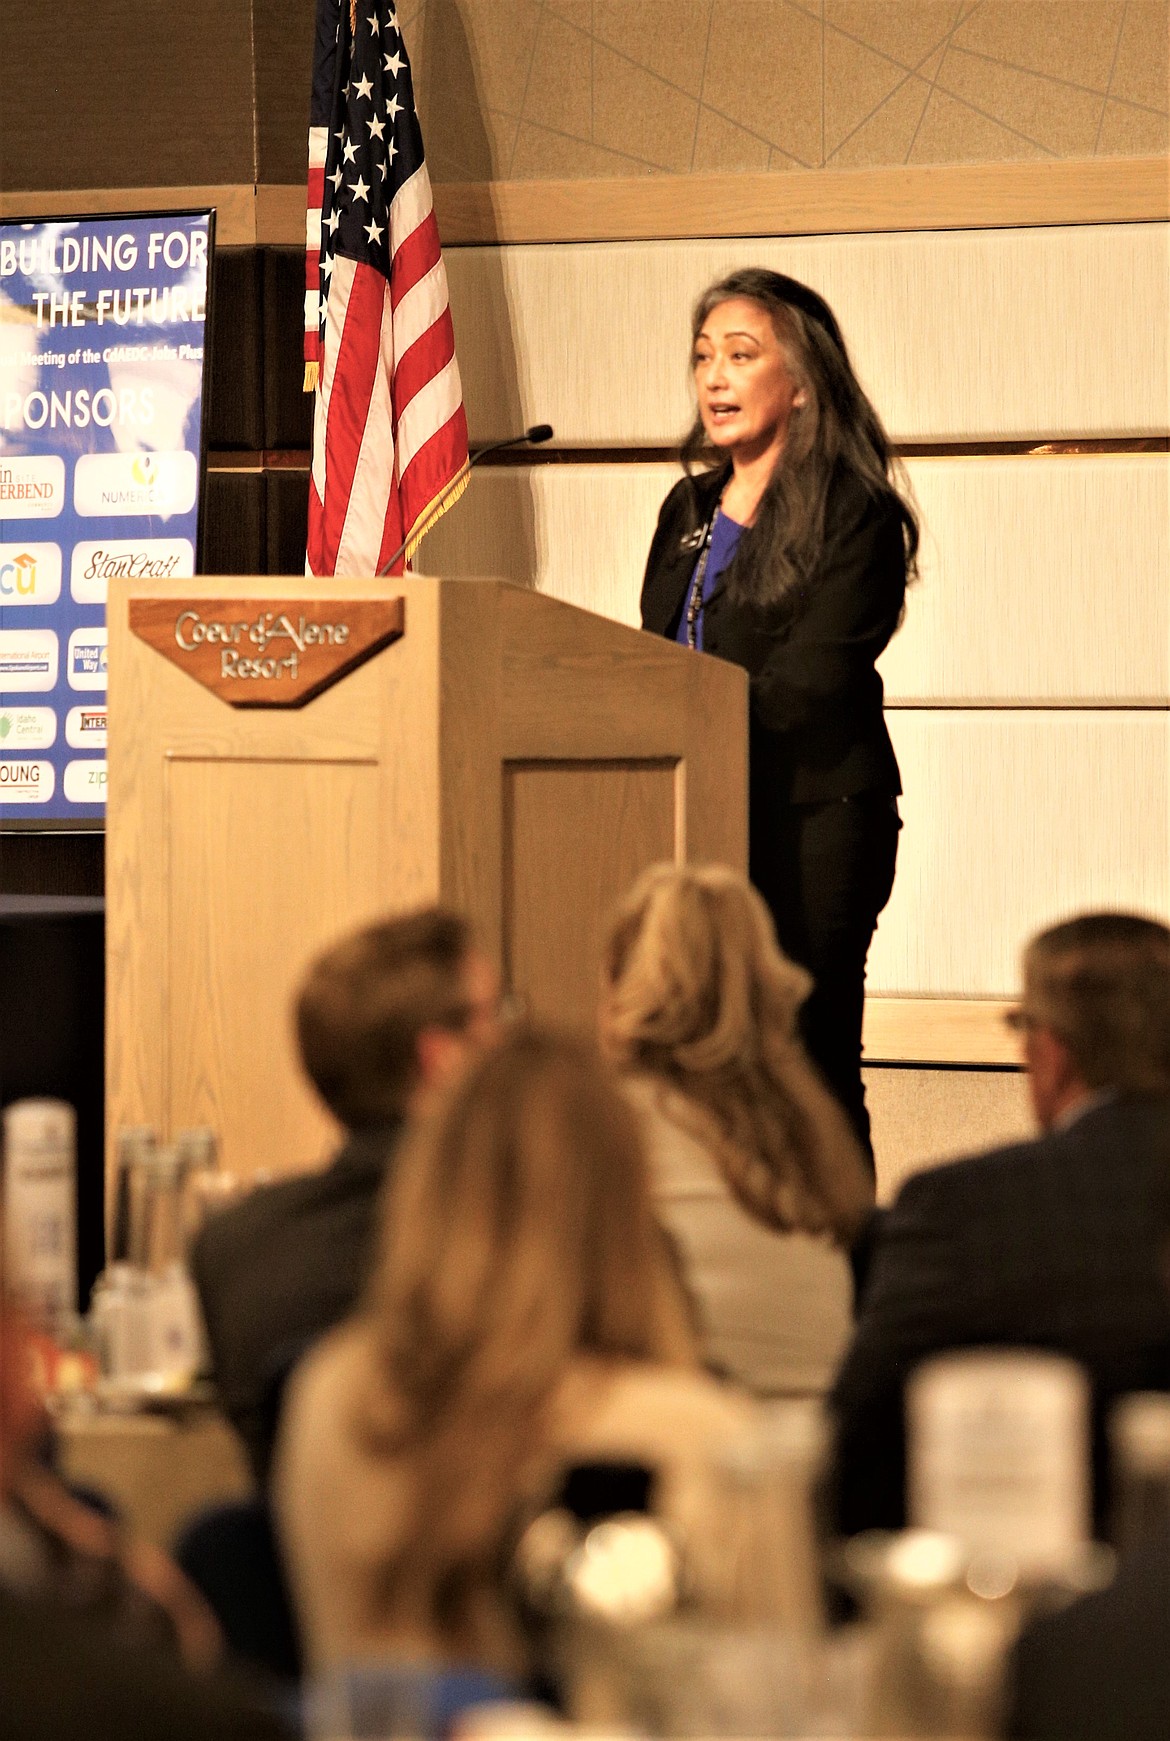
[86, 661]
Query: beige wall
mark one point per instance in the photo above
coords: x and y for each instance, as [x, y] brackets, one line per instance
[516, 89]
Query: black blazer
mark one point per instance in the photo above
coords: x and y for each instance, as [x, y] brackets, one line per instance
[277, 1270]
[817, 731]
[1099, 1670]
[1060, 1244]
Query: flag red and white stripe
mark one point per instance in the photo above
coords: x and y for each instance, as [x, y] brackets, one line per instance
[390, 432]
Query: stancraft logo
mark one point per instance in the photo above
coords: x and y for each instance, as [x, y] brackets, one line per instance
[32, 488]
[30, 574]
[26, 782]
[97, 561]
[27, 728]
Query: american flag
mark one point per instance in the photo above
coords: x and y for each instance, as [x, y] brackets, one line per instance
[390, 433]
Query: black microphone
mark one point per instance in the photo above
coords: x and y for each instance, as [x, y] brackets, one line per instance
[533, 437]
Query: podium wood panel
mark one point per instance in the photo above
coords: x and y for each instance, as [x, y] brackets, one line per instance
[576, 836]
[227, 918]
[510, 756]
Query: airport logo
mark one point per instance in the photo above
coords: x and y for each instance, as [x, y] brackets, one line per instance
[32, 488]
[26, 782]
[86, 663]
[115, 484]
[27, 728]
[85, 728]
[85, 782]
[30, 574]
[97, 561]
[28, 660]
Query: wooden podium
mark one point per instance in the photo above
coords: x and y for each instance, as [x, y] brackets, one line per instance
[509, 755]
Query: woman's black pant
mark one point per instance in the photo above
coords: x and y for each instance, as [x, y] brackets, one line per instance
[826, 872]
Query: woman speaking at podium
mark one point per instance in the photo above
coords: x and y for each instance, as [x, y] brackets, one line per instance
[786, 549]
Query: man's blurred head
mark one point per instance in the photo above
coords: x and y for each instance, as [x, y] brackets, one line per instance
[1096, 1011]
[391, 1011]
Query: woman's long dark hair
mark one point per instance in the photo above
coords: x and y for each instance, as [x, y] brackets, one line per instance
[837, 429]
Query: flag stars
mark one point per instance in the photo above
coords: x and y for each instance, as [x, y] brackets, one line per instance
[394, 108]
[333, 220]
[350, 151]
[374, 231]
[376, 126]
[392, 22]
[335, 178]
[372, 21]
[364, 88]
[361, 189]
[394, 63]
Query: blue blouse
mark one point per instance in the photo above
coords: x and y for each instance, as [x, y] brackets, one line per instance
[725, 536]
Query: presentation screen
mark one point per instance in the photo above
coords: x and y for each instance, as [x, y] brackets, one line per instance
[103, 362]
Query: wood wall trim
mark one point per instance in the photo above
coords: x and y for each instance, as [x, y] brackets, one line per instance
[235, 203]
[961, 196]
[939, 1030]
[814, 202]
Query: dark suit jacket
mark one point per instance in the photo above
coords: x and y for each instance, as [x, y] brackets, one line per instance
[276, 1270]
[62, 1679]
[1099, 1671]
[1058, 1244]
[817, 731]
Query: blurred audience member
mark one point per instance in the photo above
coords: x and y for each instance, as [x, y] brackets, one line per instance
[1100, 1670]
[524, 1315]
[56, 1551]
[756, 1172]
[64, 1679]
[383, 1018]
[1057, 1244]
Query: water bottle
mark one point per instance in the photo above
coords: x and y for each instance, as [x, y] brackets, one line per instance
[40, 1204]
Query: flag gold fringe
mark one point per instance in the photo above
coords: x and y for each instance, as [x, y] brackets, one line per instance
[312, 376]
[434, 515]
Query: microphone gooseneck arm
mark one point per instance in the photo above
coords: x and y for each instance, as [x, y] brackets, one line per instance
[534, 436]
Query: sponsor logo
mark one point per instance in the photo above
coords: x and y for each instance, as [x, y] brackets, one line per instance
[30, 574]
[26, 782]
[135, 483]
[32, 488]
[27, 728]
[85, 728]
[85, 782]
[86, 662]
[97, 561]
[28, 660]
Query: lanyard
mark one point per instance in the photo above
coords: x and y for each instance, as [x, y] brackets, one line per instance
[695, 596]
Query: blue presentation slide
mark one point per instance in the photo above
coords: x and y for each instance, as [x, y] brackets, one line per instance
[102, 371]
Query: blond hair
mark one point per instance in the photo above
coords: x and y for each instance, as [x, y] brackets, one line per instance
[697, 992]
[518, 1235]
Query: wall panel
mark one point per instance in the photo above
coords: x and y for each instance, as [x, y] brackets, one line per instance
[1013, 820]
[957, 336]
[1043, 579]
